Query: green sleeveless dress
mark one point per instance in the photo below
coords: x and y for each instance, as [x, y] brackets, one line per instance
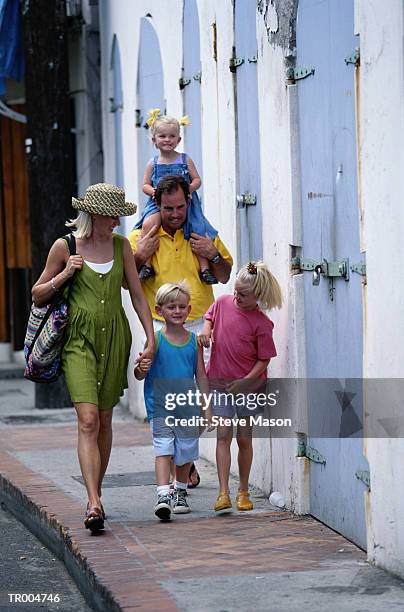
[98, 338]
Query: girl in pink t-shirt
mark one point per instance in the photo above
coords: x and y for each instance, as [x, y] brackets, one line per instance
[242, 347]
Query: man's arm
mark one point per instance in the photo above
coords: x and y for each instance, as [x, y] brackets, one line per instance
[205, 247]
[144, 247]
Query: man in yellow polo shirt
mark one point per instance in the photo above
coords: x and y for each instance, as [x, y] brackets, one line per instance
[173, 257]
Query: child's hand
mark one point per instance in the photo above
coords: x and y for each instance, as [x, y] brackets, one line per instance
[208, 416]
[206, 413]
[153, 192]
[147, 353]
[238, 386]
[203, 340]
[144, 365]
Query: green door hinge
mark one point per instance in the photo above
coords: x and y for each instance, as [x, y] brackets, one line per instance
[303, 450]
[183, 82]
[364, 476]
[354, 58]
[359, 268]
[235, 62]
[299, 73]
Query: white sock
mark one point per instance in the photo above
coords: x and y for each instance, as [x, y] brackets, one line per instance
[163, 490]
[180, 485]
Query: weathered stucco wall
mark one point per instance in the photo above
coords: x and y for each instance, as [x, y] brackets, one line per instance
[381, 123]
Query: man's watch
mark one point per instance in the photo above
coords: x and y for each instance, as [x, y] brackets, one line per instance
[216, 259]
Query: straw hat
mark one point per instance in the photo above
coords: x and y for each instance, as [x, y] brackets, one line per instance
[105, 199]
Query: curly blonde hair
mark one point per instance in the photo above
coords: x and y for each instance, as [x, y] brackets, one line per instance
[262, 284]
[162, 121]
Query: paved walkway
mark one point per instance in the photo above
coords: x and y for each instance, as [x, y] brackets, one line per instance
[266, 560]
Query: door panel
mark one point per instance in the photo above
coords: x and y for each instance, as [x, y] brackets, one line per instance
[331, 230]
[192, 90]
[150, 94]
[248, 155]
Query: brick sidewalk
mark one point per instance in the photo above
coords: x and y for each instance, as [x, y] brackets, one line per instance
[131, 562]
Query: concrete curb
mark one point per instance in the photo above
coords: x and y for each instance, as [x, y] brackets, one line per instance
[55, 537]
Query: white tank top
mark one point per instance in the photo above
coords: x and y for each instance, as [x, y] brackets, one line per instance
[101, 268]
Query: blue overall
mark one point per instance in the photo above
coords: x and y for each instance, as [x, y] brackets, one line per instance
[196, 220]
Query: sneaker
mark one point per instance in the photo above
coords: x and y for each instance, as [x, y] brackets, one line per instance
[146, 272]
[180, 505]
[163, 507]
[208, 278]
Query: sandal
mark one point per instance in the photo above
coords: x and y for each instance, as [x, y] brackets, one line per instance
[207, 277]
[93, 520]
[146, 272]
[192, 470]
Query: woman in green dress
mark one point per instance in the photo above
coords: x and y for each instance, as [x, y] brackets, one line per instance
[98, 338]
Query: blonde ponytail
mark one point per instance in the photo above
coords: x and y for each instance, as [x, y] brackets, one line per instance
[262, 283]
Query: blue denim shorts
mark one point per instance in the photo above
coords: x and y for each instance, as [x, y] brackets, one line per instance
[182, 444]
[225, 406]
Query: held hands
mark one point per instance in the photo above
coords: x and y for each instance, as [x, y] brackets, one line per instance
[147, 354]
[143, 365]
[75, 262]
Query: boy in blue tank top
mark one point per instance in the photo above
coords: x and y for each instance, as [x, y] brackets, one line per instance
[174, 407]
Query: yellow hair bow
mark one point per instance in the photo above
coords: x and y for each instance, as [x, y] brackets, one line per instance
[184, 120]
[154, 113]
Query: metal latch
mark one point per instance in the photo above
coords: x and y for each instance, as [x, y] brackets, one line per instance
[354, 58]
[363, 476]
[298, 73]
[311, 453]
[183, 82]
[253, 59]
[138, 117]
[235, 62]
[115, 107]
[198, 77]
[328, 269]
[246, 199]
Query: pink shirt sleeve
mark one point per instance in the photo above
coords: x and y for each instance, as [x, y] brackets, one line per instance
[210, 315]
[265, 342]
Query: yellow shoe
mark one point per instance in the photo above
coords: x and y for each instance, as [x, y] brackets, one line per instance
[243, 501]
[223, 501]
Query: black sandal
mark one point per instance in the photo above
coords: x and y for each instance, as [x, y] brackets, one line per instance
[193, 469]
[146, 272]
[93, 519]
